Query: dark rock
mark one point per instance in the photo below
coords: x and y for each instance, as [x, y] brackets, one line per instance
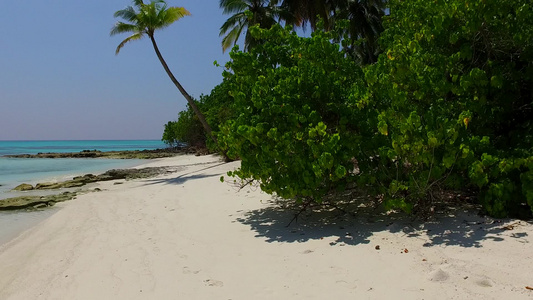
[131, 173]
[32, 201]
[84, 177]
[47, 186]
[72, 184]
[115, 174]
[23, 187]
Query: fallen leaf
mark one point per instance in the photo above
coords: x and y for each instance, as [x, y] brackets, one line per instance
[529, 288]
[405, 250]
[377, 247]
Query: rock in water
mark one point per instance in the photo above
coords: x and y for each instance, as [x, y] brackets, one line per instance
[23, 187]
[33, 201]
[47, 186]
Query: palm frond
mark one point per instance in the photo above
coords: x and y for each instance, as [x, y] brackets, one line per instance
[232, 37]
[171, 15]
[138, 3]
[245, 13]
[134, 37]
[145, 18]
[234, 6]
[121, 27]
[236, 20]
[147, 15]
[129, 14]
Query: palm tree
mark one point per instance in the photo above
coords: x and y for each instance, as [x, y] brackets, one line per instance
[246, 13]
[310, 11]
[364, 18]
[144, 19]
[365, 25]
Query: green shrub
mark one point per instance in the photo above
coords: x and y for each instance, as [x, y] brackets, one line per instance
[448, 105]
[170, 136]
[295, 128]
[216, 107]
[454, 95]
[187, 129]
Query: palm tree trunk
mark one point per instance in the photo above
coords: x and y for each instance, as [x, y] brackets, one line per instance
[191, 102]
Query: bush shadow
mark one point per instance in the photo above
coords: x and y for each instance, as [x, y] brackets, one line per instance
[462, 227]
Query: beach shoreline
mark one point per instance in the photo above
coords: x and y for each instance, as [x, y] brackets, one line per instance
[186, 235]
[15, 221]
[121, 154]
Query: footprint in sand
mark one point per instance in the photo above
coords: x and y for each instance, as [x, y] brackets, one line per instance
[485, 282]
[346, 284]
[439, 275]
[212, 282]
[186, 270]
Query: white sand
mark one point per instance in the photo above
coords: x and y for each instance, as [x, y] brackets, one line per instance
[189, 236]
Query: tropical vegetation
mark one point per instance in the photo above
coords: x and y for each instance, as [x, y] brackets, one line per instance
[246, 13]
[402, 102]
[362, 21]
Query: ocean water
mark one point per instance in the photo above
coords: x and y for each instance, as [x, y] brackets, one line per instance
[34, 147]
[14, 171]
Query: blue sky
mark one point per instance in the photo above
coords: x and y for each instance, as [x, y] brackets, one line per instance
[60, 78]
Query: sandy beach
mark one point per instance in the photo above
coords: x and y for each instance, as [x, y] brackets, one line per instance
[186, 235]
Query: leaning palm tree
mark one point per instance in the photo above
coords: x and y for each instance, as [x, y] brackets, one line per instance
[143, 20]
[246, 13]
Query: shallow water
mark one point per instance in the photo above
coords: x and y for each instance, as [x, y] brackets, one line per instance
[14, 171]
[14, 223]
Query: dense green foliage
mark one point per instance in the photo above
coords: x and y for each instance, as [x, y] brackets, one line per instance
[448, 105]
[454, 95]
[170, 135]
[294, 125]
[363, 20]
[187, 129]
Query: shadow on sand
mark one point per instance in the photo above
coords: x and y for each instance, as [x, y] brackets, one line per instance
[181, 179]
[459, 227]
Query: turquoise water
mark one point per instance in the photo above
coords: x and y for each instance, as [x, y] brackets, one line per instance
[14, 171]
[34, 147]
